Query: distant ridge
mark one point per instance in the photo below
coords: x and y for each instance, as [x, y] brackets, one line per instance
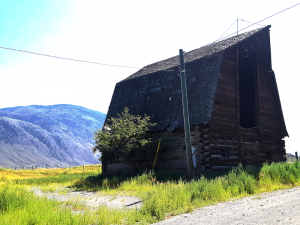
[54, 134]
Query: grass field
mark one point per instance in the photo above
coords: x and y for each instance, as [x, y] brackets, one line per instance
[164, 194]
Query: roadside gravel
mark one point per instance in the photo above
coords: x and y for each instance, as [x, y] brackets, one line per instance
[278, 207]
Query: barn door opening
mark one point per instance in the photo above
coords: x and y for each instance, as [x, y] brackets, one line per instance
[247, 91]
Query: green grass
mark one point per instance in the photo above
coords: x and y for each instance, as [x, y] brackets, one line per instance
[163, 193]
[60, 179]
[18, 206]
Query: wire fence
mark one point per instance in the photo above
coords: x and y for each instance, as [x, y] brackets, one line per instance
[53, 166]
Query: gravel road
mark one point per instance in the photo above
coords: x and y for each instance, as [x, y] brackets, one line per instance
[279, 207]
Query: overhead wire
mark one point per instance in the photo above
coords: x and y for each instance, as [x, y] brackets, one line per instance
[77, 60]
[262, 20]
[227, 29]
[130, 67]
[252, 22]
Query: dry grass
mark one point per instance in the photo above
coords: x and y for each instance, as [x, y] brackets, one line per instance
[10, 175]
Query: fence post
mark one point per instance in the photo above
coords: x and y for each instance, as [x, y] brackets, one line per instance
[296, 154]
[83, 168]
[15, 167]
[70, 166]
[57, 166]
[32, 166]
[23, 167]
[35, 166]
[46, 165]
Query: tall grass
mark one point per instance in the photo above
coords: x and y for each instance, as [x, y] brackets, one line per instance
[163, 194]
[18, 206]
[166, 193]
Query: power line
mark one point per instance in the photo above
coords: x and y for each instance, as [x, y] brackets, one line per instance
[263, 19]
[130, 67]
[227, 29]
[252, 22]
[77, 60]
[235, 21]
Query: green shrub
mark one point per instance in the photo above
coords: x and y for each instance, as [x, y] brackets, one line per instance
[284, 173]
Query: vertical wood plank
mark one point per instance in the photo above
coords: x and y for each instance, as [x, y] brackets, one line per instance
[238, 104]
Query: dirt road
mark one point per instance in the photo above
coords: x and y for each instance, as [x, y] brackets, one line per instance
[279, 207]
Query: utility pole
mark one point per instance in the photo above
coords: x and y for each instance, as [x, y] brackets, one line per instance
[186, 115]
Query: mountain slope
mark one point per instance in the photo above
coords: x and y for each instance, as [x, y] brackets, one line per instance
[57, 134]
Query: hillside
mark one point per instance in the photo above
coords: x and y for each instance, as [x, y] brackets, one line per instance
[56, 134]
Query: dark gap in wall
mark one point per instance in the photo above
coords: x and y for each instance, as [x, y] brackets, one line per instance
[247, 91]
[225, 152]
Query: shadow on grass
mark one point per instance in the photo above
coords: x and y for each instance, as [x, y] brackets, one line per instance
[113, 181]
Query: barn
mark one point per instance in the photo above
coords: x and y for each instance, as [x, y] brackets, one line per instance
[234, 106]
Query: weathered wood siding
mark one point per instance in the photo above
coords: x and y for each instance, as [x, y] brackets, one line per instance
[215, 100]
[258, 145]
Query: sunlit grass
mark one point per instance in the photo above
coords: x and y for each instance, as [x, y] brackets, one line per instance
[164, 194]
[9, 174]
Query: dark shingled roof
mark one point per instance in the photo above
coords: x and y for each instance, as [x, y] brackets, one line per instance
[196, 54]
[156, 89]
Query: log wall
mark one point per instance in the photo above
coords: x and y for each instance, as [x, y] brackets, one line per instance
[176, 159]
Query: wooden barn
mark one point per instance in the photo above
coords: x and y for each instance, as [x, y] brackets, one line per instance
[234, 107]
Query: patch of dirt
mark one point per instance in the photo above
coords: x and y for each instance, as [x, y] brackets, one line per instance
[91, 199]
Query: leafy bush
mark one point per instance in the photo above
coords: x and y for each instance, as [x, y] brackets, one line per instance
[126, 139]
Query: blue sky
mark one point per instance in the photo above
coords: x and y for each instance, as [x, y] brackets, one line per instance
[25, 24]
[130, 33]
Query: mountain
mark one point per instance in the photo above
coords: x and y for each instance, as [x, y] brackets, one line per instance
[56, 134]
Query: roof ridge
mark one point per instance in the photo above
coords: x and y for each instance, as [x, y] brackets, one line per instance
[192, 55]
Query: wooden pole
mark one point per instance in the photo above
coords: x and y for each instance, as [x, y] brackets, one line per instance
[57, 166]
[296, 154]
[23, 167]
[35, 166]
[83, 168]
[70, 166]
[32, 167]
[186, 115]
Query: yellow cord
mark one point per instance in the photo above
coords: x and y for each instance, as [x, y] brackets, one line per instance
[156, 156]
